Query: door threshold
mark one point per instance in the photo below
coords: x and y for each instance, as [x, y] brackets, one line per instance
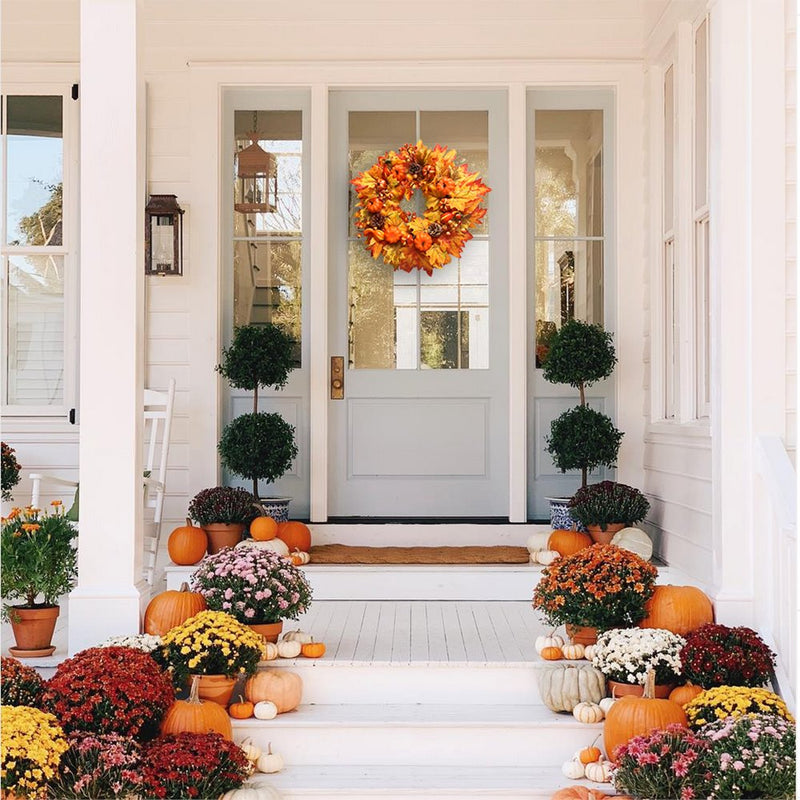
[428, 521]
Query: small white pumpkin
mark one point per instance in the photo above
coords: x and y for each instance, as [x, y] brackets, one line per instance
[635, 540]
[270, 762]
[265, 709]
[251, 751]
[297, 636]
[573, 770]
[588, 713]
[269, 651]
[538, 541]
[573, 651]
[547, 557]
[552, 640]
[598, 771]
[300, 556]
[289, 649]
[262, 792]
[588, 651]
[606, 703]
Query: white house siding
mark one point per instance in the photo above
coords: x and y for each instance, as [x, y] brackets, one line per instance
[791, 229]
[207, 31]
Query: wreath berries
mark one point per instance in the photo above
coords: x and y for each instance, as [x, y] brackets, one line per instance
[452, 207]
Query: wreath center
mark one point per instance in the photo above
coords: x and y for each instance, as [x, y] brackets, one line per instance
[394, 223]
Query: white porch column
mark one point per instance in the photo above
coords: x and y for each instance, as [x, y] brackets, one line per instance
[108, 596]
[747, 278]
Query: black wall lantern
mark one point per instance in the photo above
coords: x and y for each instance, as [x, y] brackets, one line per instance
[163, 236]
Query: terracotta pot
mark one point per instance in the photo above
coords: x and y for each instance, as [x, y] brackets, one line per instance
[600, 536]
[33, 631]
[618, 689]
[581, 634]
[269, 630]
[223, 534]
[216, 688]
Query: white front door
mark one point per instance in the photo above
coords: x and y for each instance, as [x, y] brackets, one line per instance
[422, 428]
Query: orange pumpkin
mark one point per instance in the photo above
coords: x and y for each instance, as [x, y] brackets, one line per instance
[241, 710]
[683, 694]
[551, 653]
[578, 793]
[283, 688]
[263, 529]
[636, 716]
[680, 609]
[171, 608]
[196, 716]
[568, 543]
[591, 753]
[296, 535]
[313, 649]
[187, 544]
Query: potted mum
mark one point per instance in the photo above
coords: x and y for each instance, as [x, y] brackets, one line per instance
[625, 655]
[580, 354]
[259, 445]
[215, 646]
[607, 507]
[599, 588]
[223, 512]
[40, 564]
[256, 586]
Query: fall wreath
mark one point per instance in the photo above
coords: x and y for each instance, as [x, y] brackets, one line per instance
[452, 207]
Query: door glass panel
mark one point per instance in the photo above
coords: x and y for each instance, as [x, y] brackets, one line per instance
[34, 180]
[400, 320]
[268, 220]
[569, 222]
[35, 330]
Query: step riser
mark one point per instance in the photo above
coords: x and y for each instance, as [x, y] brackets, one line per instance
[375, 684]
[456, 534]
[420, 745]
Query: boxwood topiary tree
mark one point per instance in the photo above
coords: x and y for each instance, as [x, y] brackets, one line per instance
[581, 354]
[258, 445]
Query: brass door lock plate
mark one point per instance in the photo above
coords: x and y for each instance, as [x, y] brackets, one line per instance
[337, 377]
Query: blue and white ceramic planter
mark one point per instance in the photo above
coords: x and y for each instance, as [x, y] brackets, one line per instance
[276, 507]
[560, 517]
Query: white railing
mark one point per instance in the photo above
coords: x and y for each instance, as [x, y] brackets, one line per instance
[776, 558]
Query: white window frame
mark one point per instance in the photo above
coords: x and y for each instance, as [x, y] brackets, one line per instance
[48, 80]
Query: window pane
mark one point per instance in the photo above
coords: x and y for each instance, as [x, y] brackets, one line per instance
[669, 144]
[35, 330]
[34, 170]
[268, 220]
[568, 177]
[701, 116]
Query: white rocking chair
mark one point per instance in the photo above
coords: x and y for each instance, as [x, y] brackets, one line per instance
[158, 408]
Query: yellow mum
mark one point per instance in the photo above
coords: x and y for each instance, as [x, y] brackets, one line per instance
[733, 701]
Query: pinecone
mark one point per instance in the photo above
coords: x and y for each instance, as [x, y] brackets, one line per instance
[414, 168]
[435, 229]
[376, 220]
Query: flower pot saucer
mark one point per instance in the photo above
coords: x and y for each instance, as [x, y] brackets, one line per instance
[43, 652]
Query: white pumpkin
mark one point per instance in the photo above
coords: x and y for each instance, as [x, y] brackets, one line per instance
[606, 703]
[573, 651]
[572, 769]
[548, 641]
[598, 771]
[635, 540]
[547, 557]
[289, 649]
[251, 751]
[563, 685]
[270, 762]
[275, 545]
[261, 792]
[588, 713]
[538, 541]
[297, 636]
[299, 555]
[269, 651]
[265, 709]
[588, 652]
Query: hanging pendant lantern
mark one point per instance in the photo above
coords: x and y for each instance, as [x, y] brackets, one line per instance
[256, 178]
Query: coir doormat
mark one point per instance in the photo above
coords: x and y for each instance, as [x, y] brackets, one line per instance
[472, 554]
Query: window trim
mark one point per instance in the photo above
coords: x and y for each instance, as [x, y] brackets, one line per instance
[55, 81]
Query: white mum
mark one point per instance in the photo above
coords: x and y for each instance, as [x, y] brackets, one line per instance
[626, 654]
[140, 641]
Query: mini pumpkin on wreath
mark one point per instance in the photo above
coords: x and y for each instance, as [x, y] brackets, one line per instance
[452, 207]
